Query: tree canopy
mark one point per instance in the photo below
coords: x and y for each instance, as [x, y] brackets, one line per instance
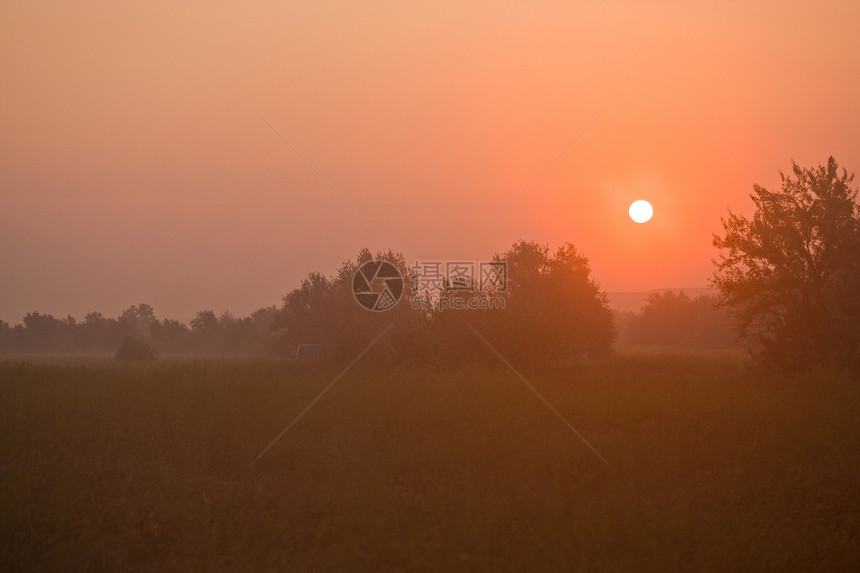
[553, 311]
[791, 271]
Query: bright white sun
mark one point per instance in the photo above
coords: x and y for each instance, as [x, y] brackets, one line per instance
[641, 211]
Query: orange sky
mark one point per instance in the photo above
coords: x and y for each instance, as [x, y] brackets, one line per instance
[134, 167]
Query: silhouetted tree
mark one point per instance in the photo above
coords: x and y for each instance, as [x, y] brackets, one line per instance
[170, 335]
[136, 320]
[323, 311]
[554, 312]
[306, 315]
[204, 329]
[790, 272]
[97, 333]
[554, 309]
[262, 331]
[43, 333]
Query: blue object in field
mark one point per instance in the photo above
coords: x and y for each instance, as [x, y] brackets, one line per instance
[305, 351]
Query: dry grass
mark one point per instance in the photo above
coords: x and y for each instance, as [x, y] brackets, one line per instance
[112, 467]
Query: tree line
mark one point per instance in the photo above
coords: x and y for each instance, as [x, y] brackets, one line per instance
[553, 310]
[788, 283]
[321, 311]
[207, 333]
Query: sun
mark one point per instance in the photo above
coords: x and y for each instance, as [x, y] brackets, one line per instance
[641, 211]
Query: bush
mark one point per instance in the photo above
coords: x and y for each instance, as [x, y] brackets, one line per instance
[135, 350]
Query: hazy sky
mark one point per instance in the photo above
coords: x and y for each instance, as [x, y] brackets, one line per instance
[135, 166]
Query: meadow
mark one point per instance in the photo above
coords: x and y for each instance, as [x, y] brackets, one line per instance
[710, 466]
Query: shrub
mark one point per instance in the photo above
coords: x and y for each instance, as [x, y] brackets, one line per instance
[135, 350]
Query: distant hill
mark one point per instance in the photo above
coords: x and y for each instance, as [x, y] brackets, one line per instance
[634, 301]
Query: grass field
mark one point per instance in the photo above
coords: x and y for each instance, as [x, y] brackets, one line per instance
[711, 467]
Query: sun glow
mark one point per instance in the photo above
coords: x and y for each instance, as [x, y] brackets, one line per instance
[641, 211]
